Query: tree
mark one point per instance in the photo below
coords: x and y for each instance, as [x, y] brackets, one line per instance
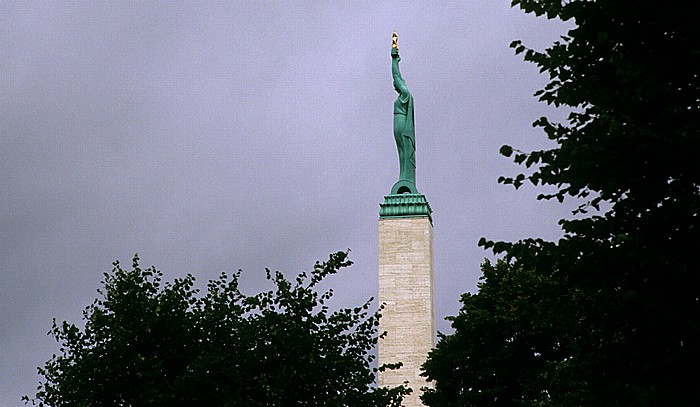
[496, 355]
[621, 303]
[146, 343]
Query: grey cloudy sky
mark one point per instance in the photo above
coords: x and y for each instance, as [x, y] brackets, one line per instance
[210, 137]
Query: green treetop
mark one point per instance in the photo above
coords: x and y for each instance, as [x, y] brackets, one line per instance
[145, 343]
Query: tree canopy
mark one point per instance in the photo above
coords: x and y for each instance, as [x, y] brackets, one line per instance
[610, 314]
[149, 343]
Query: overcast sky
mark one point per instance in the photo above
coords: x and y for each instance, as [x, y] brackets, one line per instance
[210, 137]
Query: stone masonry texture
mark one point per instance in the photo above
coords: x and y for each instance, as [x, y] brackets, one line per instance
[406, 289]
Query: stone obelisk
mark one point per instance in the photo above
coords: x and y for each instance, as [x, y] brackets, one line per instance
[405, 259]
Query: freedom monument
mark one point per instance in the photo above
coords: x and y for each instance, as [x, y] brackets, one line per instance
[405, 258]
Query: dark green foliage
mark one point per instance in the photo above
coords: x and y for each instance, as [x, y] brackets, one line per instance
[146, 343]
[617, 322]
[497, 354]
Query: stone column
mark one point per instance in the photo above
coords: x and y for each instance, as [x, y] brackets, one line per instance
[406, 289]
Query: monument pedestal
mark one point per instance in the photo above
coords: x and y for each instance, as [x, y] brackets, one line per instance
[406, 289]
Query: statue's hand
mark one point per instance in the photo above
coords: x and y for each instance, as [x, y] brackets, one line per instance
[394, 53]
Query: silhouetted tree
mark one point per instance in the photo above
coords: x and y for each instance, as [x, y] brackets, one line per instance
[614, 314]
[148, 343]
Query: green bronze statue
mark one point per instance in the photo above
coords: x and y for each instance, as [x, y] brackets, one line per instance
[404, 128]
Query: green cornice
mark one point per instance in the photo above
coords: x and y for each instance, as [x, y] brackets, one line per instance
[405, 206]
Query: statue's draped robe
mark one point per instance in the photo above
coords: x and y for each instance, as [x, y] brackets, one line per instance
[405, 136]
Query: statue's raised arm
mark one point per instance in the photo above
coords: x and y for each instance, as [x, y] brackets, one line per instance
[399, 83]
[404, 128]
